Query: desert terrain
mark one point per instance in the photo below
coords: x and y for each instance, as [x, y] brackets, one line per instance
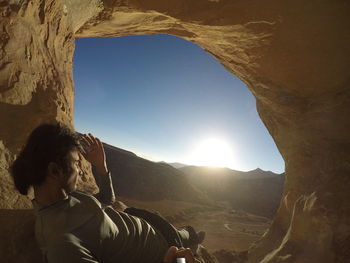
[234, 208]
[225, 228]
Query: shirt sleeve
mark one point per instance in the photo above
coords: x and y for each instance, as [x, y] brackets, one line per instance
[104, 182]
[69, 250]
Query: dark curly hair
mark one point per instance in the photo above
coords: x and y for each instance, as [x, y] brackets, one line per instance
[49, 142]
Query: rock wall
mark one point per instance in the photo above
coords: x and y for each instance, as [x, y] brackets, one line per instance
[294, 56]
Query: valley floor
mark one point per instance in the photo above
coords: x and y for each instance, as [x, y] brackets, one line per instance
[225, 228]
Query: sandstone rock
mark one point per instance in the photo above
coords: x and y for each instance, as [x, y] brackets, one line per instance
[293, 55]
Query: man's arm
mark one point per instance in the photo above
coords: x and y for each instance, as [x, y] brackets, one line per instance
[104, 182]
[95, 154]
[68, 249]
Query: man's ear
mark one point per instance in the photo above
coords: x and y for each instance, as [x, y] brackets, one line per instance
[53, 170]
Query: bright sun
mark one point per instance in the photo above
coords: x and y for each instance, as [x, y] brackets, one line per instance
[212, 152]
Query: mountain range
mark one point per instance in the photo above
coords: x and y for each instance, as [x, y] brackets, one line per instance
[258, 192]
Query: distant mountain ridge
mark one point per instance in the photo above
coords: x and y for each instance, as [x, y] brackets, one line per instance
[141, 179]
[138, 178]
[178, 165]
[256, 191]
[256, 173]
[218, 171]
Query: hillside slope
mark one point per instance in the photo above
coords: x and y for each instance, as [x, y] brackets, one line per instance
[138, 178]
[256, 191]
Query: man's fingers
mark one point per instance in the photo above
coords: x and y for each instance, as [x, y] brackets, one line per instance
[187, 254]
[86, 140]
[91, 139]
[96, 143]
[85, 144]
[99, 143]
[170, 255]
[174, 252]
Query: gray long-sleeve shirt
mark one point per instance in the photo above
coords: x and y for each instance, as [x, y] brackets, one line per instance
[78, 230]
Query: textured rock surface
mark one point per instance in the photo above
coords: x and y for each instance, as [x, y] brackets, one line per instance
[293, 55]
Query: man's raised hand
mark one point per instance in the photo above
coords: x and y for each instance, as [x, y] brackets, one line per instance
[94, 153]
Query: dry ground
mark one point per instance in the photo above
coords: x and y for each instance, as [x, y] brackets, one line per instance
[225, 228]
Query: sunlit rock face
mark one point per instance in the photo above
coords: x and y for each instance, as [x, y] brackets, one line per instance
[293, 55]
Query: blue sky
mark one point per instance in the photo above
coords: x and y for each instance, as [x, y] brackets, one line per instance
[161, 96]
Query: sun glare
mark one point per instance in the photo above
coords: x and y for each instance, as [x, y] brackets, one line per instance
[212, 152]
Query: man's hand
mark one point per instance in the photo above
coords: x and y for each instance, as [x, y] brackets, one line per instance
[94, 153]
[174, 252]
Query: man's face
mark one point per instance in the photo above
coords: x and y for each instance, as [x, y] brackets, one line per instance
[70, 178]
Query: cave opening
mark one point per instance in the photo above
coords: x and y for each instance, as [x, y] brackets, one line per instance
[160, 96]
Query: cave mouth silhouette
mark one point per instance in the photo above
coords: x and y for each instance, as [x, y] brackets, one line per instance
[127, 61]
[130, 77]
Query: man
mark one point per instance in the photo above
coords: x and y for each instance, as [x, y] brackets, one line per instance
[73, 226]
